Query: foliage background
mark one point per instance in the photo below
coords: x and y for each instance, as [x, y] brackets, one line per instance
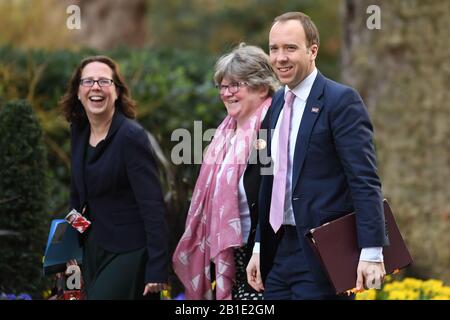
[167, 49]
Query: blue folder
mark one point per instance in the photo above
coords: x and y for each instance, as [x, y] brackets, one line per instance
[62, 245]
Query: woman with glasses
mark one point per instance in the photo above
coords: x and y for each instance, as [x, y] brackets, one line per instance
[222, 218]
[115, 186]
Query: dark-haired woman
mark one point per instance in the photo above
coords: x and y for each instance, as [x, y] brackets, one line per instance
[115, 185]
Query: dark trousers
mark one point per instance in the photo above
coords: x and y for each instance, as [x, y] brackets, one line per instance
[290, 277]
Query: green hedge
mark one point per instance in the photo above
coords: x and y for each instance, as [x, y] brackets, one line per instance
[23, 200]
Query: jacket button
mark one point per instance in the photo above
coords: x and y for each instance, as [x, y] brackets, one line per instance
[253, 204]
[295, 199]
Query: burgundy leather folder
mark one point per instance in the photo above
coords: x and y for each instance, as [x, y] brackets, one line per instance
[336, 245]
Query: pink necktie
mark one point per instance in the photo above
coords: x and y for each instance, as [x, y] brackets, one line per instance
[279, 179]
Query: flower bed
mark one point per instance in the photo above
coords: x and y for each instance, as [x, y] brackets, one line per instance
[408, 289]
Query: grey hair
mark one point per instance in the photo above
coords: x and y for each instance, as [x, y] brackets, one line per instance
[247, 63]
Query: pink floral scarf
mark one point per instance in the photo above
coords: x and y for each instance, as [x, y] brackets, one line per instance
[213, 225]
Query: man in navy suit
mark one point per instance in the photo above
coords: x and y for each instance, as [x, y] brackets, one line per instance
[331, 171]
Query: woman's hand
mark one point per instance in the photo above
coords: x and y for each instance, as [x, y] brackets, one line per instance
[154, 287]
[254, 274]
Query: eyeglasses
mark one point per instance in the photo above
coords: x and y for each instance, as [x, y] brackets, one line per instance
[232, 87]
[101, 82]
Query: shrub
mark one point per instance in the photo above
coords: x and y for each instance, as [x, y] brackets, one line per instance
[23, 199]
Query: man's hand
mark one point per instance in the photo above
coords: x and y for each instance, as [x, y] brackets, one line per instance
[154, 288]
[370, 275]
[254, 274]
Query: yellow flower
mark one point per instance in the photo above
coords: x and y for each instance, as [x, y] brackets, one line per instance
[394, 286]
[46, 294]
[411, 283]
[445, 291]
[411, 295]
[396, 295]
[431, 288]
[441, 297]
[435, 282]
[367, 295]
[410, 289]
[165, 295]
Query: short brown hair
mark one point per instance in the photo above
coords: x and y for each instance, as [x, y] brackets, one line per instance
[72, 108]
[312, 34]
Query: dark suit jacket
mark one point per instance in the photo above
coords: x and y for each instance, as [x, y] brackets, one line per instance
[252, 181]
[121, 188]
[334, 171]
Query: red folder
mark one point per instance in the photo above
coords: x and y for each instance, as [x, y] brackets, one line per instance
[336, 245]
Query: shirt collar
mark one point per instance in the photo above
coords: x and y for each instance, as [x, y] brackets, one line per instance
[303, 89]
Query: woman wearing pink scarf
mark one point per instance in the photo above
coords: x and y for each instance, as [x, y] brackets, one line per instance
[222, 218]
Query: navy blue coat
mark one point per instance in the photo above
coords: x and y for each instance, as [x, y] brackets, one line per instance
[334, 171]
[124, 195]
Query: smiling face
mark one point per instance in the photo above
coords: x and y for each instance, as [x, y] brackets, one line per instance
[96, 100]
[243, 103]
[289, 55]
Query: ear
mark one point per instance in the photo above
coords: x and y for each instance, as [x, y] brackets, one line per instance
[314, 51]
[263, 92]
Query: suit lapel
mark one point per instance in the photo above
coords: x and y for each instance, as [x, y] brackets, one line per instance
[277, 105]
[313, 108]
